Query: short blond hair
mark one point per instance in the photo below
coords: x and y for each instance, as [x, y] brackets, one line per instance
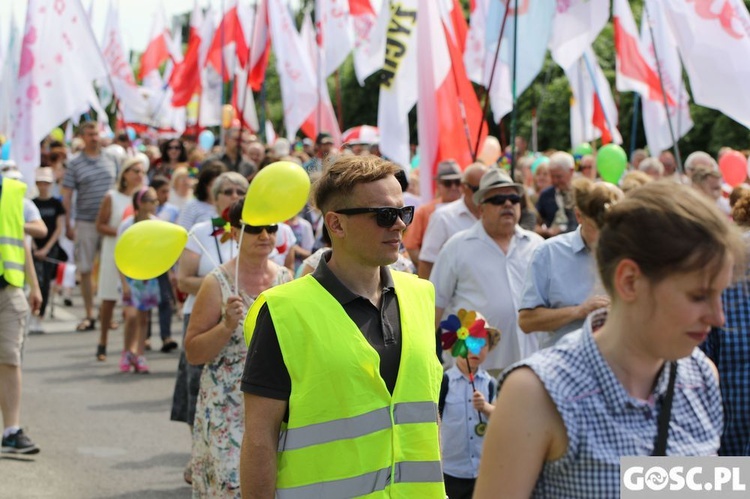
[341, 175]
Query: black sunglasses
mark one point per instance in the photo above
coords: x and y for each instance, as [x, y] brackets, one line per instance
[451, 183]
[474, 188]
[500, 199]
[257, 229]
[384, 217]
[230, 191]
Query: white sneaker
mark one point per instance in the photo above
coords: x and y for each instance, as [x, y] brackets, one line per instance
[35, 325]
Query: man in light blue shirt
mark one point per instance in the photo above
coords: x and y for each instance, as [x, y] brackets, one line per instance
[561, 287]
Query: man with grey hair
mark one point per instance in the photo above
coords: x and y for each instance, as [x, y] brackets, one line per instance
[652, 167]
[699, 159]
[636, 157]
[555, 204]
[670, 168]
[450, 219]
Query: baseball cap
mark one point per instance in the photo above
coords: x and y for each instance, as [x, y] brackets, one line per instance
[45, 174]
[494, 179]
[448, 170]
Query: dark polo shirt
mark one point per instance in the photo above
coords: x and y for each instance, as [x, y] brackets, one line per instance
[265, 373]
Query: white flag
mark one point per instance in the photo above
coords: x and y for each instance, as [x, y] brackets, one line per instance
[398, 90]
[8, 75]
[209, 113]
[576, 25]
[370, 19]
[664, 46]
[475, 52]
[714, 42]
[57, 37]
[593, 113]
[298, 88]
[335, 32]
[534, 26]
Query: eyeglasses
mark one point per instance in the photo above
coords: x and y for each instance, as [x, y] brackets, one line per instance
[500, 199]
[257, 229]
[451, 183]
[230, 191]
[385, 217]
[474, 188]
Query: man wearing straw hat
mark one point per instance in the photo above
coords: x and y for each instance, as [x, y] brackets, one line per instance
[341, 380]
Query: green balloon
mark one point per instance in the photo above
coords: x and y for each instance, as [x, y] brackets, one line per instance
[611, 162]
[583, 150]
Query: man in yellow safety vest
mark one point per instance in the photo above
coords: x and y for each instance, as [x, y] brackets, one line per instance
[341, 380]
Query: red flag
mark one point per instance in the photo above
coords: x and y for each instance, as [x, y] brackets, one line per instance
[157, 50]
[229, 32]
[260, 47]
[458, 27]
[448, 112]
[634, 73]
[186, 77]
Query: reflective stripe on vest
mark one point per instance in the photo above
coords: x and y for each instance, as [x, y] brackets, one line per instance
[340, 429]
[368, 483]
[347, 435]
[12, 252]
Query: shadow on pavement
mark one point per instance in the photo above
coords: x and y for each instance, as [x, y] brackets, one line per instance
[162, 405]
[180, 493]
[173, 459]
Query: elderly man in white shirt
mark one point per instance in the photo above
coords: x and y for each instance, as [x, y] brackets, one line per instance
[450, 219]
[483, 268]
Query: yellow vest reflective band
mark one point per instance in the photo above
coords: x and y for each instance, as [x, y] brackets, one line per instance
[347, 436]
[11, 232]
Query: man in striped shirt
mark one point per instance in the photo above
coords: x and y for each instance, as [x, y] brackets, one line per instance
[90, 174]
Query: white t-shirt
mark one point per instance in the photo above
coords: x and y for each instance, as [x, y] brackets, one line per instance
[200, 242]
[285, 239]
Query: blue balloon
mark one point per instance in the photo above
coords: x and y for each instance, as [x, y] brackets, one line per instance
[206, 140]
[131, 133]
[5, 151]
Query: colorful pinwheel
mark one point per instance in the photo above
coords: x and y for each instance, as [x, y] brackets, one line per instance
[463, 333]
[222, 227]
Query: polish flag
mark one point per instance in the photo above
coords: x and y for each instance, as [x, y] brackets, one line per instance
[157, 50]
[260, 47]
[323, 113]
[370, 21]
[634, 73]
[298, 86]
[714, 42]
[228, 40]
[244, 101]
[335, 33]
[57, 37]
[593, 113]
[448, 112]
[209, 108]
[655, 118]
[576, 25]
[474, 52]
[186, 77]
[398, 87]
[454, 22]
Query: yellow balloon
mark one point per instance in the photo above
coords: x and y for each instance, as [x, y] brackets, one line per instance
[277, 193]
[58, 134]
[149, 248]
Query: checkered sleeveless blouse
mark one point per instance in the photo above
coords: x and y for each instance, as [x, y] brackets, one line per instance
[604, 422]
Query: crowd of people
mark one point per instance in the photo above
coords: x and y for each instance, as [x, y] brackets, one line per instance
[318, 369]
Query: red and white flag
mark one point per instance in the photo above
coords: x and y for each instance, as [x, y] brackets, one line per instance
[298, 87]
[157, 51]
[634, 73]
[260, 46]
[593, 113]
[323, 118]
[57, 37]
[474, 53]
[664, 46]
[335, 33]
[244, 101]
[186, 77]
[370, 21]
[448, 112]
[229, 44]
[714, 42]
[398, 87]
[576, 25]
[454, 22]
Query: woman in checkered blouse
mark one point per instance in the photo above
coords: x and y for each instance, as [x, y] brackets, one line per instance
[566, 415]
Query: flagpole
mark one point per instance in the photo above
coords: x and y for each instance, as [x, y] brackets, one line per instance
[675, 146]
[247, 79]
[580, 107]
[222, 133]
[318, 53]
[263, 113]
[634, 125]
[596, 91]
[464, 118]
[339, 103]
[514, 114]
[492, 77]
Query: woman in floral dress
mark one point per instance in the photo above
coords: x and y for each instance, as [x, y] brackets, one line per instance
[214, 337]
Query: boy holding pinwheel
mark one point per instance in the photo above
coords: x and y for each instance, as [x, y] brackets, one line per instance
[465, 399]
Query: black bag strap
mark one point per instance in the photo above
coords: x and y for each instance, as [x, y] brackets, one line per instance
[660, 445]
[443, 394]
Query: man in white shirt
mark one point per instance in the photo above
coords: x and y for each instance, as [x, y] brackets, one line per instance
[483, 268]
[450, 219]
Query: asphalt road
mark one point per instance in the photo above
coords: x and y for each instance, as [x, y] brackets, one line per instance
[102, 434]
